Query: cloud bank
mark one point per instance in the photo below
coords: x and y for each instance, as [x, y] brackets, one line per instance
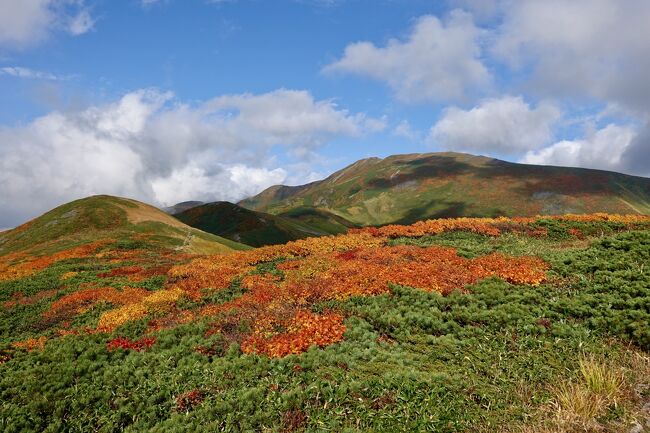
[149, 146]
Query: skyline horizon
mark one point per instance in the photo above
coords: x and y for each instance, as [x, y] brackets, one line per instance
[165, 206]
[162, 100]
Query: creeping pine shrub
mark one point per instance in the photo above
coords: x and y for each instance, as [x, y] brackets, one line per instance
[129, 244]
[612, 296]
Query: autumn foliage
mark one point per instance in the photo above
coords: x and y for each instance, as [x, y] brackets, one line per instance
[300, 332]
[189, 400]
[491, 226]
[31, 344]
[128, 344]
[283, 285]
[278, 305]
[19, 265]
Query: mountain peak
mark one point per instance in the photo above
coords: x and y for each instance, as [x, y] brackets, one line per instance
[105, 217]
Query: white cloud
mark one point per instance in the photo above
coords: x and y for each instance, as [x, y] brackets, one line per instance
[506, 125]
[24, 23]
[149, 146]
[602, 148]
[404, 130]
[372, 124]
[636, 156]
[593, 48]
[20, 72]
[81, 23]
[440, 60]
[288, 116]
[229, 183]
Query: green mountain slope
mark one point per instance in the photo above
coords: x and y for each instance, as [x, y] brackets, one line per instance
[109, 218]
[257, 228]
[319, 219]
[408, 188]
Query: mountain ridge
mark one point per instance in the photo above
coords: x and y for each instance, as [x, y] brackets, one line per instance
[410, 187]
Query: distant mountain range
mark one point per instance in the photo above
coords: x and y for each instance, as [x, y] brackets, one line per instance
[407, 188]
[398, 189]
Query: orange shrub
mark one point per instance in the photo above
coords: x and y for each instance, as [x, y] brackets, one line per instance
[491, 226]
[278, 308]
[20, 265]
[303, 330]
[82, 300]
[31, 344]
[160, 301]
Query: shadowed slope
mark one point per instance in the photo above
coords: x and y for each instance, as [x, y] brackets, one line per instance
[257, 228]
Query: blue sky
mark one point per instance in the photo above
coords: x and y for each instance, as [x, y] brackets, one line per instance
[173, 100]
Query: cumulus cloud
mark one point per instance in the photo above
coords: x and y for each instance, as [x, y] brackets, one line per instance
[593, 48]
[149, 146]
[440, 60]
[506, 125]
[482, 10]
[593, 51]
[226, 183]
[25, 23]
[601, 148]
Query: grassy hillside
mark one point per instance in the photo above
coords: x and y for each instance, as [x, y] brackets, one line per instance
[106, 219]
[407, 188]
[319, 219]
[257, 228]
[532, 325]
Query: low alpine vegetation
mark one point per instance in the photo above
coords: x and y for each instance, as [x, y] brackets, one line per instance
[445, 325]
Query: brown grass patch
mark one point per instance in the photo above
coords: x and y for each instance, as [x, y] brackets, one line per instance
[143, 212]
[602, 388]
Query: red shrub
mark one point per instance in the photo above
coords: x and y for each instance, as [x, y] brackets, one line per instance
[189, 400]
[128, 344]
